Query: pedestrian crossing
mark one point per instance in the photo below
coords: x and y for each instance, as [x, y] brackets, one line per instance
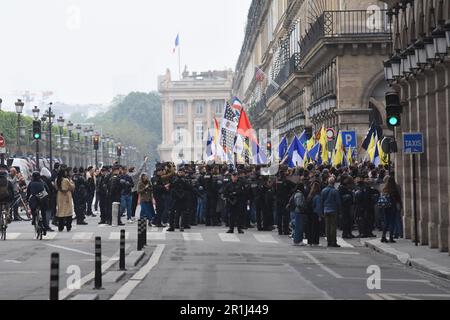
[158, 234]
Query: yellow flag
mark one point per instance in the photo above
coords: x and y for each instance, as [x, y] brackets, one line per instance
[371, 149]
[349, 156]
[324, 144]
[338, 155]
[384, 159]
[310, 144]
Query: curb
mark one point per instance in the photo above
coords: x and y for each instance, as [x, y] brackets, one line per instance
[406, 259]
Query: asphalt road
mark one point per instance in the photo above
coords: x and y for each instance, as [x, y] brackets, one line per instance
[206, 263]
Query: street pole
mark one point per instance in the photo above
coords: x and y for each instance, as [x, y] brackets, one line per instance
[19, 151]
[37, 156]
[96, 159]
[416, 232]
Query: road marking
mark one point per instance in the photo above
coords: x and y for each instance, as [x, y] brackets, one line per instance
[51, 235]
[350, 253]
[323, 267]
[343, 243]
[192, 237]
[374, 296]
[64, 293]
[228, 237]
[12, 261]
[13, 236]
[116, 235]
[391, 280]
[155, 236]
[128, 287]
[264, 238]
[71, 249]
[83, 236]
[386, 296]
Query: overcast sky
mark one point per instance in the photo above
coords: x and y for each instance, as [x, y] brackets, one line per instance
[88, 51]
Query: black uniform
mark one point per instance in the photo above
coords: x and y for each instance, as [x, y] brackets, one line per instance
[102, 193]
[159, 191]
[284, 190]
[90, 188]
[180, 188]
[79, 197]
[347, 214]
[234, 195]
[115, 192]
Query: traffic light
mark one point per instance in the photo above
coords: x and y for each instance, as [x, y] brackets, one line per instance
[119, 151]
[393, 109]
[269, 147]
[37, 134]
[96, 140]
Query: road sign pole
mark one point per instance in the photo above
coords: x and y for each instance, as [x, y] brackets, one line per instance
[37, 156]
[416, 232]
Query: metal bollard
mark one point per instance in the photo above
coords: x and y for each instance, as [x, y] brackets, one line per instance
[98, 263]
[122, 251]
[54, 276]
[115, 214]
[145, 233]
[139, 235]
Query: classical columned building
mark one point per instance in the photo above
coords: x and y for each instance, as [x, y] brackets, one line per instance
[419, 71]
[322, 63]
[189, 106]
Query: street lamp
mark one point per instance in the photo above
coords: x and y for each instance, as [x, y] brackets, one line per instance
[60, 122]
[421, 53]
[70, 130]
[78, 130]
[447, 36]
[396, 64]
[387, 72]
[440, 41]
[36, 112]
[19, 109]
[49, 116]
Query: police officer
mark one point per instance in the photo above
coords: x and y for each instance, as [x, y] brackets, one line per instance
[179, 190]
[159, 191]
[284, 190]
[234, 195]
[79, 195]
[102, 191]
[115, 188]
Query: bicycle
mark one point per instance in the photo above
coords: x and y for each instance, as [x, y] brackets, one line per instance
[24, 212]
[38, 225]
[3, 221]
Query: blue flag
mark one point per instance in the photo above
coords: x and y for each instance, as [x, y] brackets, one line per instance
[296, 154]
[282, 149]
[314, 152]
[303, 139]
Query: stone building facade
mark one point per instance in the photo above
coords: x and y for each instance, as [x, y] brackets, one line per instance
[188, 110]
[322, 63]
[419, 70]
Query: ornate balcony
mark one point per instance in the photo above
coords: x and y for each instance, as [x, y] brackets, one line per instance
[346, 24]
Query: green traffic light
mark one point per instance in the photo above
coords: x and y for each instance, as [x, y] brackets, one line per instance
[37, 136]
[393, 121]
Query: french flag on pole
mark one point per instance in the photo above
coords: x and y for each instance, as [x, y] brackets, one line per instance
[177, 43]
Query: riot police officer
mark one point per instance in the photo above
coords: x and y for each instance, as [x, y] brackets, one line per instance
[234, 194]
[79, 195]
[179, 194]
[159, 191]
[284, 190]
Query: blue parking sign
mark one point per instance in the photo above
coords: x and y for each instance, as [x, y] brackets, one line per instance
[349, 139]
[413, 143]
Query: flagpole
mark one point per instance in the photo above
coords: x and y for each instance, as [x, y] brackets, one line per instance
[179, 61]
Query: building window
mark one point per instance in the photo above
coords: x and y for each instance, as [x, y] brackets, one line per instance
[219, 106]
[199, 132]
[179, 108]
[199, 107]
[179, 135]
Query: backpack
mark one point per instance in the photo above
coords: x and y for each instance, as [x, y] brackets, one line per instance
[303, 205]
[4, 190]
[384, 201]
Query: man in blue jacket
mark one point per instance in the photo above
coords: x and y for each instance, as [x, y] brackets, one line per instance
[331, 204]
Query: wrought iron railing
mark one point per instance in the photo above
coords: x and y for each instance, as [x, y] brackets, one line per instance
[344, 23]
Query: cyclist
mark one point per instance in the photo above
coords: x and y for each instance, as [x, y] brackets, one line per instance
[6, 191]
[37, 195]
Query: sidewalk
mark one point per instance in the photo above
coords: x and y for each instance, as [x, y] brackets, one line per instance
[422, 257]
